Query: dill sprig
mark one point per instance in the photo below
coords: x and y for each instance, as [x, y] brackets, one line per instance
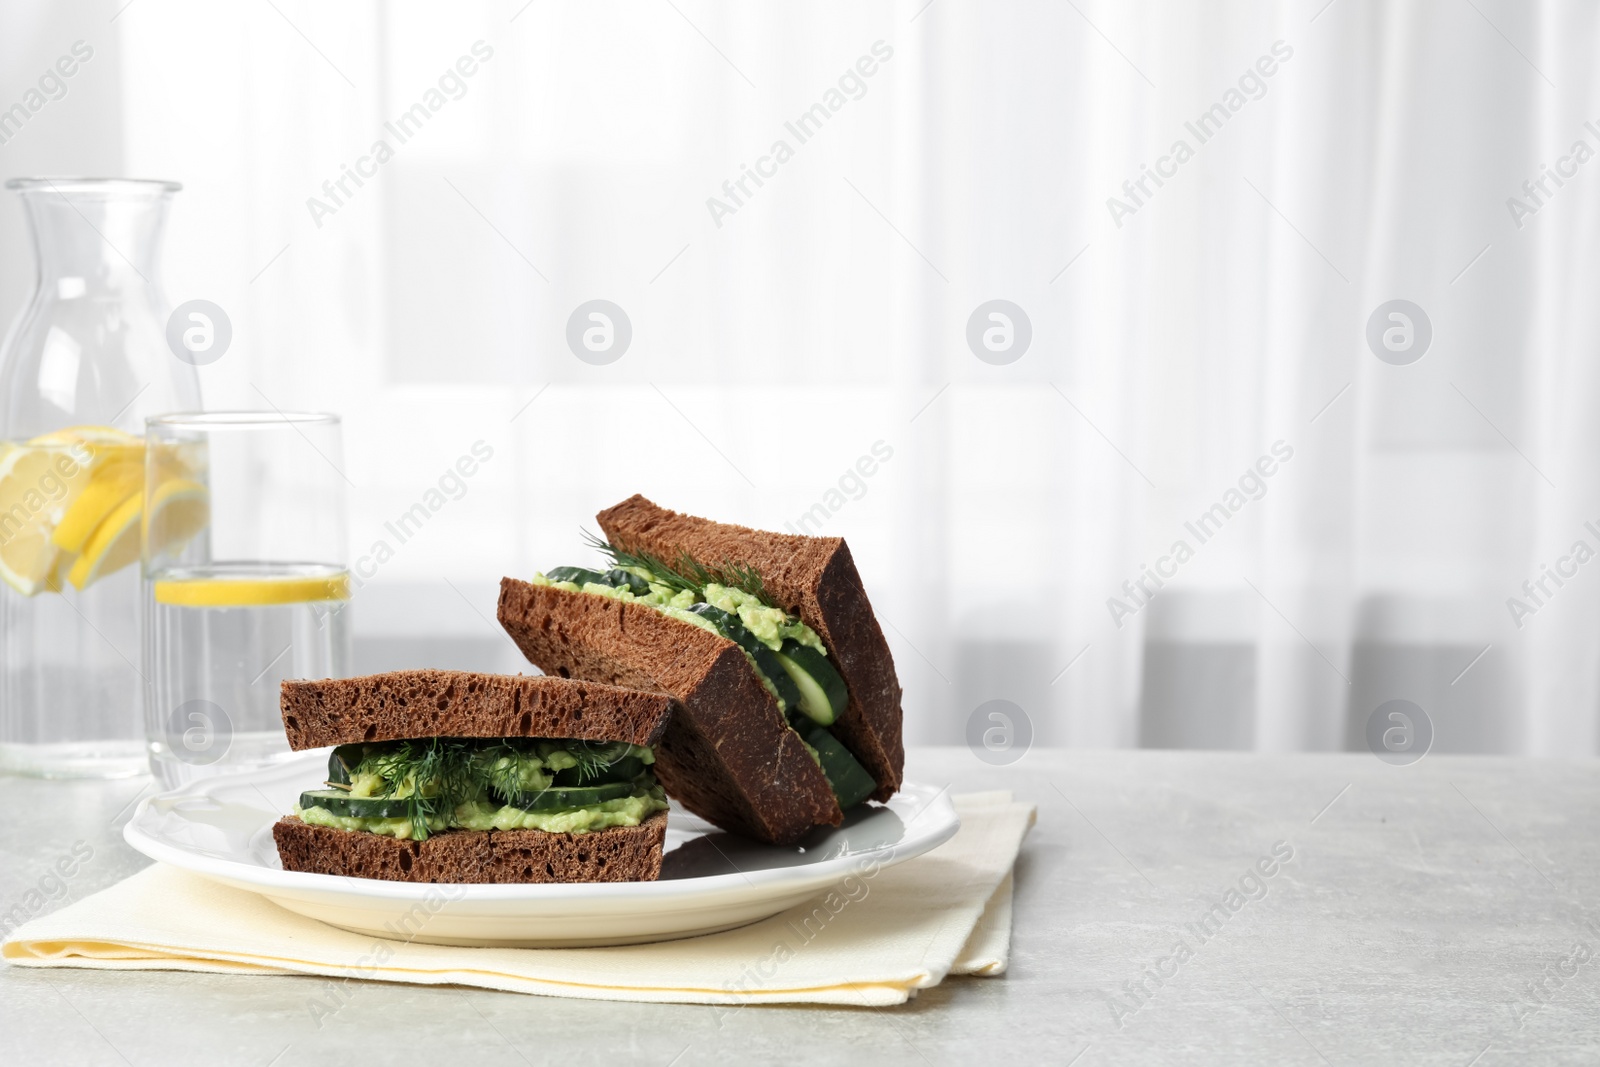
[443, 765]
[685, 572]
[444, 772]
[595, 758]
[591, 764]
[504, 778]
[659, 570]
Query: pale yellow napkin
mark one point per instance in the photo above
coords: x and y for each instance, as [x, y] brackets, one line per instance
[948, 912]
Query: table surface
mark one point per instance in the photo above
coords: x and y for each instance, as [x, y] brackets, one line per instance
[1424, 914]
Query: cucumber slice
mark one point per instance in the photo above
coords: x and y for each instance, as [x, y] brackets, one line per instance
[850, 781]
[343, 761]
[621, 579]
[578, 576]
[577, 796]
[625, 769]
[823, 696]
[338, 802]
[767, 661]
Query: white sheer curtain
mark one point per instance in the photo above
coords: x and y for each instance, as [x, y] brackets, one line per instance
[827, 315]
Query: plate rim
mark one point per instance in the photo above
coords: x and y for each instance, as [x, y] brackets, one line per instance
[270, 881]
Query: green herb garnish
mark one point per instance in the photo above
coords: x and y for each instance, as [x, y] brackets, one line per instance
[592, 762]
[687, 572]
[436, 775]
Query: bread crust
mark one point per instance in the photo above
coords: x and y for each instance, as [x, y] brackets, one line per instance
[429, 703]
[615, 854]
[814, 578]
[727, 754]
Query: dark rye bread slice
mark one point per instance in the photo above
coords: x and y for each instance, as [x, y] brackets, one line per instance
[812, 577]
[727, 754]
[428, 703]
[615, 854]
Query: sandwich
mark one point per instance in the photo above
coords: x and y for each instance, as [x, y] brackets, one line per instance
[451, 776]
[788, 704]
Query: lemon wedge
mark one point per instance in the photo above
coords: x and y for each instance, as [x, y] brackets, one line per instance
[96, 445]
[179, 509]
[112, 546]
[108, 488]
[93, 435]
[37, 485]
[57, 580]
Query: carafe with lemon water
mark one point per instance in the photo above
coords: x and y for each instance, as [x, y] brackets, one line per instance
[81, 368]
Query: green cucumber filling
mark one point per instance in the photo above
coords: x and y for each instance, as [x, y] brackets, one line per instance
[415, 788]
[786, 654]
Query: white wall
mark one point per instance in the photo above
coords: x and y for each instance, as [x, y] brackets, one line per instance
[829, 313]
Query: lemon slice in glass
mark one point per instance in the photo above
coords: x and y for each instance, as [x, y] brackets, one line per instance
[240, 592]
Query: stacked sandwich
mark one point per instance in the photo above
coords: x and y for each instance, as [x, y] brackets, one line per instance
[788, 705]
[740, 672]
[449, 776]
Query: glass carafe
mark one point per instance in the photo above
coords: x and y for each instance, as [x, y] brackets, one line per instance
[81, 368]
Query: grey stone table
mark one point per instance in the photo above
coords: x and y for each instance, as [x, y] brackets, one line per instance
[1171, 908]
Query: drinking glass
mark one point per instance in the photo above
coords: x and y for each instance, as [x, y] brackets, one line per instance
[245, 581]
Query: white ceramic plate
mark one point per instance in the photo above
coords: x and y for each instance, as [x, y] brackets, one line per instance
[221, 828]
